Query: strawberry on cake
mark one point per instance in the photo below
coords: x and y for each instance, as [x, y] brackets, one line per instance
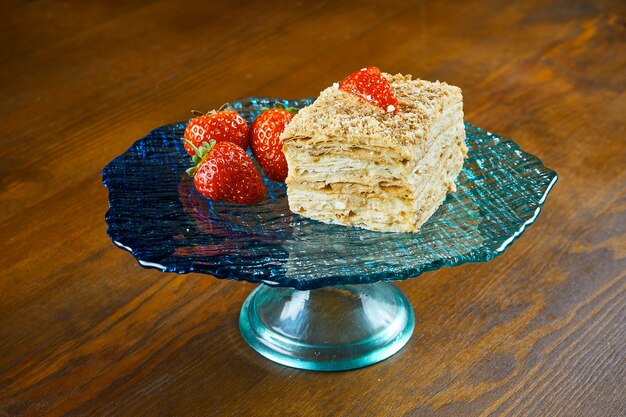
[377, 151]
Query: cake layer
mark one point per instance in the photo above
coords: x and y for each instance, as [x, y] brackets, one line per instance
[377, 207]
[446, 169]
[382, 186]
[339, 116]
[357, 167]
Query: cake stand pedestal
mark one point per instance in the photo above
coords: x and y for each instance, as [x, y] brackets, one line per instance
[328, 329]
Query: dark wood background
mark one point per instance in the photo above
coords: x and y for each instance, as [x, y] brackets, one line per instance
[539, 331]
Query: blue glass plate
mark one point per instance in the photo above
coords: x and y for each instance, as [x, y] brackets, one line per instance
[157, 215]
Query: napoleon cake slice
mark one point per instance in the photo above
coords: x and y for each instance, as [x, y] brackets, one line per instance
[377, 167]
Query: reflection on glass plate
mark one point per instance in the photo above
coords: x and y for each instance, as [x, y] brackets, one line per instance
[157, 215]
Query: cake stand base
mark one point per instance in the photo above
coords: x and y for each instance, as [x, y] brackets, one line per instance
[328, 329]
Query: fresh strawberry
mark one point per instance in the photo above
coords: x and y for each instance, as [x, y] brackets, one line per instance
[370, 84]
[225, 172]
[265, 141]
[221, 125]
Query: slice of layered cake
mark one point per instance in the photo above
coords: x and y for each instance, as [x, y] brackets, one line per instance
[375, 153]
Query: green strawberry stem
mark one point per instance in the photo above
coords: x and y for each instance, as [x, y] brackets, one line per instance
[201, 154]
[281, 106]
[198, 113]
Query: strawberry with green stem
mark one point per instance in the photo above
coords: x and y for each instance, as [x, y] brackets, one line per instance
[220, 125]
[223, 171]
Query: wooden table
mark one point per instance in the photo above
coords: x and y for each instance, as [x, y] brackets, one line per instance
[84, 330]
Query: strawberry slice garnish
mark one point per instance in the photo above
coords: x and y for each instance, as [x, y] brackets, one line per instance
[371, 85]
[220, 125]
[225, 172]
[265, 141]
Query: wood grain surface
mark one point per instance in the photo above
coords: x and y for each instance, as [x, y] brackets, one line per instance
[85, 331]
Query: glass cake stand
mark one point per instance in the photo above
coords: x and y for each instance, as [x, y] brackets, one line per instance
[324, 301]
